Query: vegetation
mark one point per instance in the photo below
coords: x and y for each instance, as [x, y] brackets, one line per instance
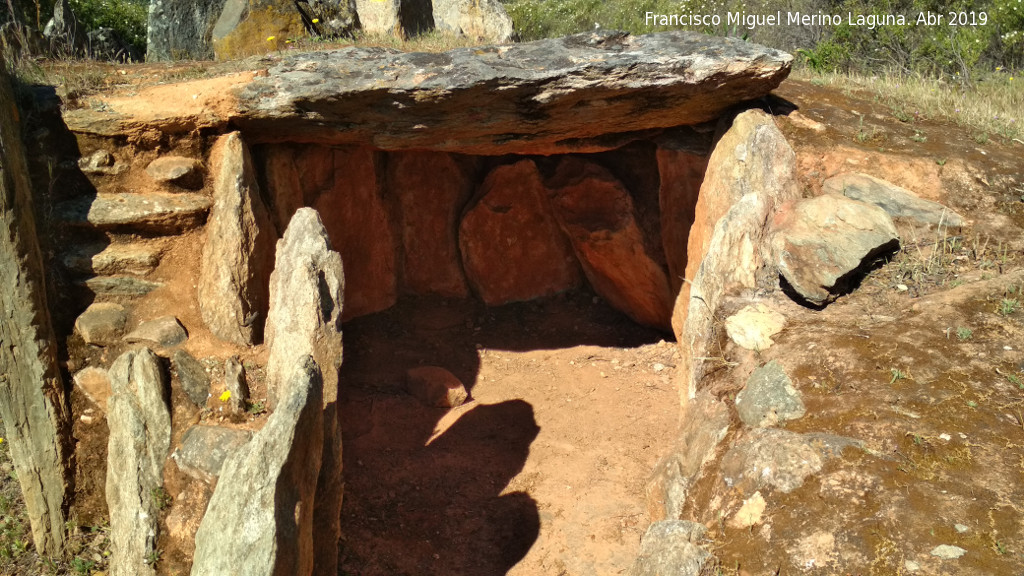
[988, 34]
[126, 17]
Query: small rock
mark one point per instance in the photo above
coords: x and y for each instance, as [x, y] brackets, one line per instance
[902, 287]
[184, 172]
[136, 258]
[192, 376]
[750, 513]
[658, 367]
[769, 398]
[772, 457]
[165, 331]
[911, 566]
[961, 528]
[120, 286]
[753, 326]
[153, 212]
[802, 121]
[947, 552]
[897, 202]
[235, 383]
[435, 386]
[101, 162]
[102, 323]
[95, 385]
[669, 547]
[98, 159]
[205, 448]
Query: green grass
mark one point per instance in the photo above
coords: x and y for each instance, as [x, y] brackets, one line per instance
[15, 535]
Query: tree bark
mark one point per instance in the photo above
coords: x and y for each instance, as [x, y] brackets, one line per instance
[32, 398]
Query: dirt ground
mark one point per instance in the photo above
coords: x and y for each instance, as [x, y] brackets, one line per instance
[542, 472]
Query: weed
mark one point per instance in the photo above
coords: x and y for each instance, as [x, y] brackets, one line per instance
[918, 137]
[940, 161]
[82, 566]
[161, 499]
[1008, 306]
[897, 374]
[256, 408]
[964, 333]
[1015, 380]
[153, 557]
[981, 137]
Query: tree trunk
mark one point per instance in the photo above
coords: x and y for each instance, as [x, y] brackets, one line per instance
[32, 398]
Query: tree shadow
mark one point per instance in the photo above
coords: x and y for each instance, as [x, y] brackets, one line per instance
[438, 508]
[427, 489]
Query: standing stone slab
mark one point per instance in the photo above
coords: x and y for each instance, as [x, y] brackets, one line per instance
[751, 172]
[681, 175]
[704, 424]
[432, 189]
[295, 176]
[306, 299]
[180, 29]
[596, 212]
[306, 307]
[380, 16]
[247, 27]
[512, 249]
[819, 243]
[478, 19]
[260, 518]
[239, 249]
[140, 438]
[359, 223]
[32, 399]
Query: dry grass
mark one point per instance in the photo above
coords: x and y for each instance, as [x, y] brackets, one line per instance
[431, 42]
[992, 107]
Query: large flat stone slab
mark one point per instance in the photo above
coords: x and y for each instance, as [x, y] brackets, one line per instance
[584, 93]
[544, 97]
[165, 213]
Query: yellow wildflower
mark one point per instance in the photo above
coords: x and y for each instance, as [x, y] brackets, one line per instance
[316, 20]
[225, 396]
[271, 38]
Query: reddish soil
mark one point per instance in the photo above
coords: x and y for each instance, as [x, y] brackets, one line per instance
[542, 472]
